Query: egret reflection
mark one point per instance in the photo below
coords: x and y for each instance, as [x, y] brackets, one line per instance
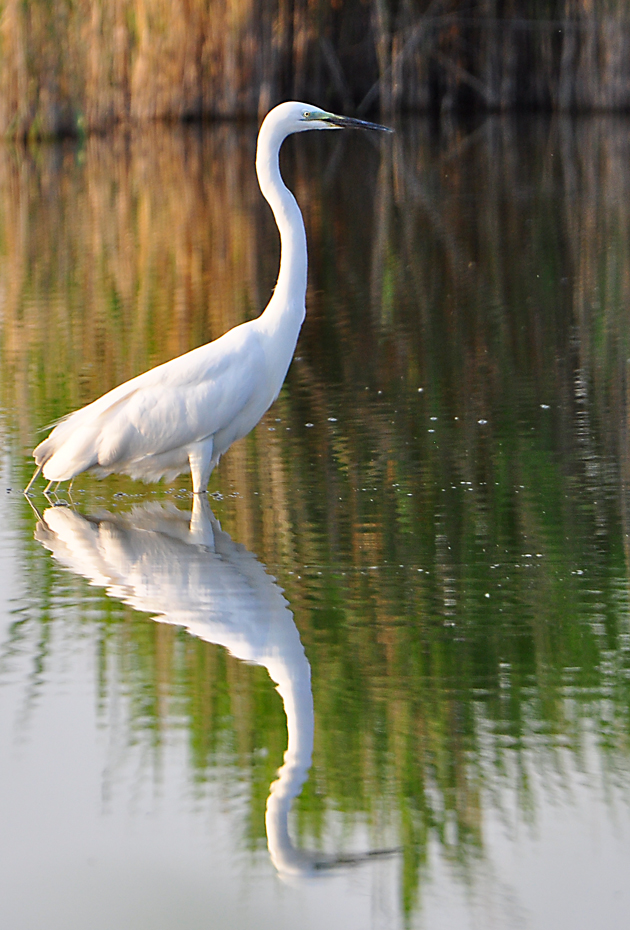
[187, 571]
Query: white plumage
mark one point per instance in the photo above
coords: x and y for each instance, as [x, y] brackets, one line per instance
[184, 414]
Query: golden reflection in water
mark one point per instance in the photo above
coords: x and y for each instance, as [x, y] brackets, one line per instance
[457, 512]
[135, 248]
[120, 256]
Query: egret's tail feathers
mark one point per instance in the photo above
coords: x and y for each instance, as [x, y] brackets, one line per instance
[62, 457]
[44, 451]
[76, 443]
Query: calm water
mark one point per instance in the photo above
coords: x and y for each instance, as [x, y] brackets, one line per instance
[417, 564]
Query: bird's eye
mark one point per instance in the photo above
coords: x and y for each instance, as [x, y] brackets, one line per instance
[306, 115]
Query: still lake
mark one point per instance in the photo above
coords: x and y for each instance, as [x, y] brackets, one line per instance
[415, 569]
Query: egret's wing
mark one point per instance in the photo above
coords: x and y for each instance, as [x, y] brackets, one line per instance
[180, 402]
[183, 408]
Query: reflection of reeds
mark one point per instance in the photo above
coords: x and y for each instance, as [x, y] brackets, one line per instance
[122, 263]
[490, 270]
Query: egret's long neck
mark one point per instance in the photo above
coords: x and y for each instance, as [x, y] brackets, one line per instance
[287, 304]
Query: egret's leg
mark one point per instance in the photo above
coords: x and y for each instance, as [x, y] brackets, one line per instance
[28, 486]
[201, 465]
[51, 495]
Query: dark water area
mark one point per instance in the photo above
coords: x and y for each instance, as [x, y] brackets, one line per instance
[423, 547]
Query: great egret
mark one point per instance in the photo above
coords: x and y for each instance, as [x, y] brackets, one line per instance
[184, 414]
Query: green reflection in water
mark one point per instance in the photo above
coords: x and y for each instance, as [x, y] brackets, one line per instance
[441, 488]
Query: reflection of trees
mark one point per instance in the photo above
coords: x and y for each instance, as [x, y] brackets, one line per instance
[488, 269]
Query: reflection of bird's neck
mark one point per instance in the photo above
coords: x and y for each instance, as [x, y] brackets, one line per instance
[293, 680]
[286, 308]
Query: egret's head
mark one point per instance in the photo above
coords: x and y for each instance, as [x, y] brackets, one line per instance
[299, 117]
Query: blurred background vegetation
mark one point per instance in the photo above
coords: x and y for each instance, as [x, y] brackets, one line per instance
[75, 66]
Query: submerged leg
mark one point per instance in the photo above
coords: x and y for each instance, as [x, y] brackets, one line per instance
[51, 495]
[28, 486]
[202, 522]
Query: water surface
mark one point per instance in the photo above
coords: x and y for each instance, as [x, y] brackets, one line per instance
[424, 544]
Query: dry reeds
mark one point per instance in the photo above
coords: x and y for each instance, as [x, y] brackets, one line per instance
[72, 67]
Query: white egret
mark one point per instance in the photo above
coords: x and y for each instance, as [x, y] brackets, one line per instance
[184, 414]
